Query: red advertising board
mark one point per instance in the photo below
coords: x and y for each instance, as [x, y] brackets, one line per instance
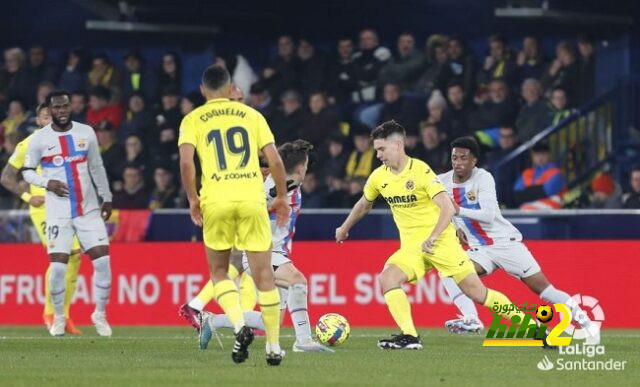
[151, 280]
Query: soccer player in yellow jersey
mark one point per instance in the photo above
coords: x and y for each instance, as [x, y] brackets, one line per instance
[231, 206]
[34, 196]
[422, 212]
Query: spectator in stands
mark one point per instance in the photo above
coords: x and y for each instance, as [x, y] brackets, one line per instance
[43, 90]
[320, 122]
[79, 106]
[170, 74]
[242, 75]
[102, 109]
[312, 67]
[103, 73]
[362, 160]
[288, 121]
[16, 115]
[531, 63]
[166, 150]
[631, 199]
[534, 113]
[586, 88]
[74, 75]
[605, 193]
[439, 113]
[134, 194]
[138, 119]
[112, 153]
[313, 195]
[542, 186]
[406, 66]
[341, 80]
[15, 81]
[168, 113]
[499, 64]
[260, 99]
[437, 73]
[368, 61]
[353, 193]
[333, 167]
[190, 101]
[397, 107]
[563, 71]
[136, 78]
[507, 175]
[7, 199]
[433, 150]
[460, 111]
[557, 108]
[462, 65]
[281, 75]
[499, 110]
[134, 154]
[165, 194]
[39, 68]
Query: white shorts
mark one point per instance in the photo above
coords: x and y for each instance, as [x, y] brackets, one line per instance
[277, 259]
[89, 228]
[513, 257]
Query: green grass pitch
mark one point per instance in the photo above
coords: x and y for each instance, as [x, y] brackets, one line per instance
[158, 356]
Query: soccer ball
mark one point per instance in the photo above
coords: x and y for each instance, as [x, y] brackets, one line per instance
[332, 329]
[544, 313]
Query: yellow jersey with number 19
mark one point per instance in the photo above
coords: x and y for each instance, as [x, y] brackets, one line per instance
[227, 136]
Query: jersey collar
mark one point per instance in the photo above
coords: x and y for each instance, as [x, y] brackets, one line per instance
[217, 100]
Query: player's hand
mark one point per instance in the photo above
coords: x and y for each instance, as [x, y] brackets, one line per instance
[429, 245]
[58, 187]
[107, 208]
[36, 201]
[462, 237]
[283, 209]
[196, 212]
[342, 234]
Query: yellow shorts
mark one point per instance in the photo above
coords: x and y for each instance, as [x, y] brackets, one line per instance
[448, 258]
[243, 225]
[39, 219]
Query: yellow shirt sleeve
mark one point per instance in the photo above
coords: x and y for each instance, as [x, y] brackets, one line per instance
[188, 133]
[433, 184]
[370, 190]
[265, 136]
[17, 158]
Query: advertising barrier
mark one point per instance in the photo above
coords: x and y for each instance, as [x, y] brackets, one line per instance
[151, 280]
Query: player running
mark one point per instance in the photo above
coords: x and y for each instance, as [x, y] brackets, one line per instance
[34, 196]
[71, 164]
[227, 136]
[493, 241]
[291, 283]
[422, 212]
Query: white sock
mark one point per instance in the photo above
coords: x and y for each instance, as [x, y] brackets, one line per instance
[297, 304]
[101, 282]
[252, 319]
[553, 295]
[57, 286]
[465, 304]
[196, 304]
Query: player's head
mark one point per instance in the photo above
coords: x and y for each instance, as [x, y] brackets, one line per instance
[43, 115]
[216, 82]
[295, 157]
[464, 156]
[59, 102]
[388, 141]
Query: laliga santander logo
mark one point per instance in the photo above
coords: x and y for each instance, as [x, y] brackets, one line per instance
[586, 303]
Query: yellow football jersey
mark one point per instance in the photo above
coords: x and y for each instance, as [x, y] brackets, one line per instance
[17, 161]
[227, 136]
[409, 195]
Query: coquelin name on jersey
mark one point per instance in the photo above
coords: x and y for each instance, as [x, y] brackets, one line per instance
[222, 112]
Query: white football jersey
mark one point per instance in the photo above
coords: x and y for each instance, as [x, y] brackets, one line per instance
[480, 217]
[282, 236]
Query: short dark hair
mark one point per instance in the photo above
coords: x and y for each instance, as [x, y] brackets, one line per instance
[214, 77]
[41, 107]
[498, 38]
[635, 168]
[101, 92]
[56, 93]
[540, 147]
[467, 142]
[386, 129]
[294, 153]
[455, 84]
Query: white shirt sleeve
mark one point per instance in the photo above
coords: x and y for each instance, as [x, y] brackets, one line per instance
[487, 200]
[31, 161]
[96, 168]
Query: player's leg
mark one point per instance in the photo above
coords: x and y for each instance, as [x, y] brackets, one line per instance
[59, 236]
[71, 279]
[248, 292]
[38, 218]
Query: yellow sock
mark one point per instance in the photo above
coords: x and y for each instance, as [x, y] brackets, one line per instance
[233, 272]
[48, 303]
[206, 293]
[229, 300]
[71, 279]
[270, 309]
[248, 295]
[494, 296]
[400, 309]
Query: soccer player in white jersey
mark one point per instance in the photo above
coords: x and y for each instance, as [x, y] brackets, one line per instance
[71, 164]
[492, 240]
[291, 283]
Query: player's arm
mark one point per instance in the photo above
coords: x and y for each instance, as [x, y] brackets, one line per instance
[487, 200]
[279, 176]
[444, 219]
[10, 179]
[188, 177]
[99, 177]
[361, 208]
[31, 161]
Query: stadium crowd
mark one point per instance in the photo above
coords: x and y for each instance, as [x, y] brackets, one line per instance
[438, 92]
